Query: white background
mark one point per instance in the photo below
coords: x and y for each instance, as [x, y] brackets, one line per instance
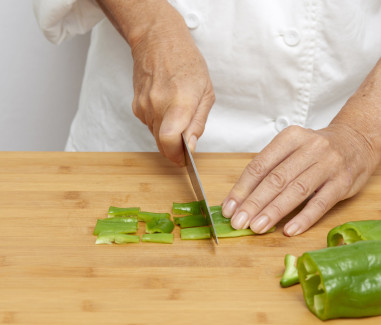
[39, 82]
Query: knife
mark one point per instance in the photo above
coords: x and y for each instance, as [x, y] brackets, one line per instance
[197, 187]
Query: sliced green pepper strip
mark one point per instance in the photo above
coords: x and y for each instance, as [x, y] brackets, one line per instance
[115, 211]
[224, 230]
[219, 218]
[290, 275]
[196, 220]
[123, 219]
[158, 238]
[186, 208]
[104, 225]
[109, 238]
[342, 281]
[195, 233]
[149, 216]
[159, 225]
[215, 208]
[351, 232]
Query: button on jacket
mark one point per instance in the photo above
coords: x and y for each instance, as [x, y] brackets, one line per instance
[272, 63]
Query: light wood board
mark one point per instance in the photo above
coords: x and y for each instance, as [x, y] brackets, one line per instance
[51, 271]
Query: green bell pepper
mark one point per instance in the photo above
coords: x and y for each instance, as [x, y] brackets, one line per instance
[158, 238]
[114, 211]
[195, 233]
[342, 281]
[109, 238]
[354, 231]
[186, 208]
[159, 225]
[149, 216]
[215, 208]
[290, 275]
[120, 227]
[195, 220]
[219, 218]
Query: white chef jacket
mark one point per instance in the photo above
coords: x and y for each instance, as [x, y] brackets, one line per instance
[272, 63]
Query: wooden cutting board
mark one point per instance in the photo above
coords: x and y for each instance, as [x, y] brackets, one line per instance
[51, 272]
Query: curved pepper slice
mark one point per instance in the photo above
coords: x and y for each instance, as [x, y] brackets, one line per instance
[196, 220]
[342, 281]
[149, 216]
[186, 208]
[195, 233]
[290, 275]
[354, 231]
[158, 238]
[105, 225]
[224, 230]
[115, 211]
[109, 238]
[159, 225]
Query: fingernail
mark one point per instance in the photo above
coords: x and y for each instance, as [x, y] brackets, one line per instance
[239, 220]
[192, 143]
[292, 230]
[229, 208]
[259, 226]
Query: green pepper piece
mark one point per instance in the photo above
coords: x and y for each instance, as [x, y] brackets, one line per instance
[104, 225]
[186, 208]
[123, 219]
[158, 238]
[219, 218]
[224, 230]
[114, 211]
[342, 281]
[290, 275]
[215, 208]
[195, 233]
[109, 238]
[149, 216]
[161, 225]
[196, 220]
[351, 232]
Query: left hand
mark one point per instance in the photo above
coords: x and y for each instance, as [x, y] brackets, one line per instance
[323, 166]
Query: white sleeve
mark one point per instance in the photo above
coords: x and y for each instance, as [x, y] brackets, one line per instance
[63, 19]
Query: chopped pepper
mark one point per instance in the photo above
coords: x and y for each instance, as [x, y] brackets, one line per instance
[114, 211]
[105, 225]
[354, 231]
[195, 233]
[224, 230]
[109, 238]
[158, 238]
[186, 208]
[290, 275]
[149, 216]
[342, 281]
[219, 218]
[215, 208]
[161, 225]
[196, 220]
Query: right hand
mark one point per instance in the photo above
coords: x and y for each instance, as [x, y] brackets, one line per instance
[173, 90]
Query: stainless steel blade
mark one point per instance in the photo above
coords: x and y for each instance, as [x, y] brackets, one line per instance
[197, 187]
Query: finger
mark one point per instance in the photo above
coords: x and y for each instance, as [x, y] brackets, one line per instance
[279, 149]
[197, 125]
[295, 193]
[155, 131]
[175, 121]
[315, 209]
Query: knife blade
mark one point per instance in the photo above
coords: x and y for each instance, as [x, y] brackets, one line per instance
[197, 187]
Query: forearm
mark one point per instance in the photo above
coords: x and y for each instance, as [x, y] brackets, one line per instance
[138, 19]
[362, 112]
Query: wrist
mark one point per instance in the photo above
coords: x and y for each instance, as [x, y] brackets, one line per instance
[137, 20]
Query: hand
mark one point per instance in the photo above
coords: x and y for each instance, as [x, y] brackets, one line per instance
[324, 167]
[173, 91]
[172, 88]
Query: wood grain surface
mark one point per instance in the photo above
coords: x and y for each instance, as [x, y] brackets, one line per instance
[51, 272]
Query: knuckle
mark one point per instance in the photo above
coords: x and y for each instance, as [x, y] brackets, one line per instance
[277, 179]
[156, 97]
[320, 203]
[253, 204]
[277, 211]
[256, 169]
[293, 130]
[301, 188]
